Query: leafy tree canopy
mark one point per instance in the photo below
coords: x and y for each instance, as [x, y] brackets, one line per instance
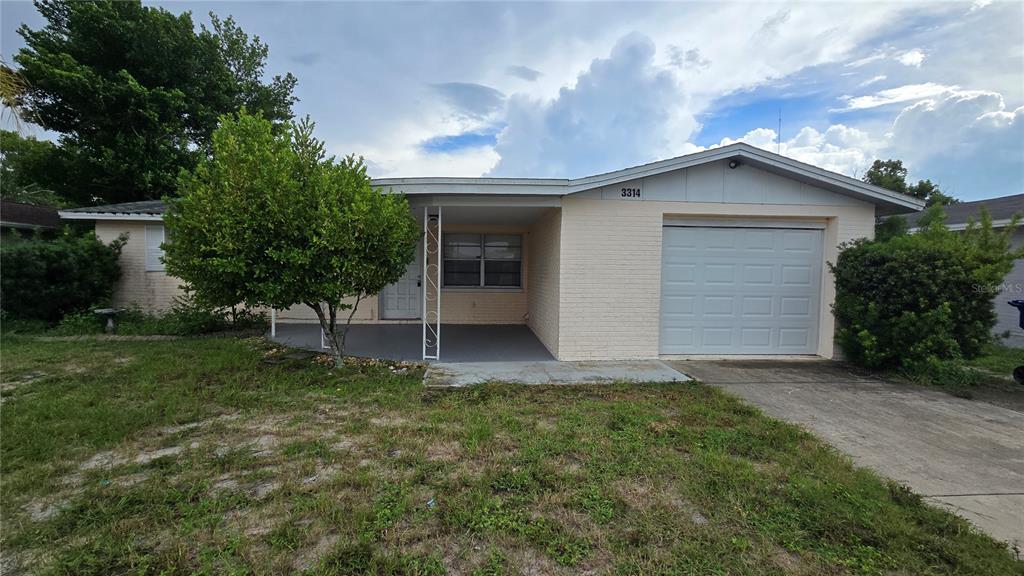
[135, 92]
[28, 169]
[270, 220]
[892, 175]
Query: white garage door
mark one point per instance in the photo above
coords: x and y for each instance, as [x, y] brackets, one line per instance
[731, 290]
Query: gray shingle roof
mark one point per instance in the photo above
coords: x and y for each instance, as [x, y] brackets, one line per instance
[144, 207]
[999, 208]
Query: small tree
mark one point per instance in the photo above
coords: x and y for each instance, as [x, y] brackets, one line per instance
[271, 220]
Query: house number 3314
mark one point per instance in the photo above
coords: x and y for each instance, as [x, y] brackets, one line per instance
[630, 192]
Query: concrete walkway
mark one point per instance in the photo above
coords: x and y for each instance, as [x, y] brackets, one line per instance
[456, 374]
[965, 455]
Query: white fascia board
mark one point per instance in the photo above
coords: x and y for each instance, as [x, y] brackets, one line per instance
[652, 169]
[963, 225]
[473, 186]
[107, 216]
[559, 187]
[522, 201]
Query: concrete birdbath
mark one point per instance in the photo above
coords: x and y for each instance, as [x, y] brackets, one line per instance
[109, 314]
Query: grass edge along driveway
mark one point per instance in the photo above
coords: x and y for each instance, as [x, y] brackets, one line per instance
[195, 456]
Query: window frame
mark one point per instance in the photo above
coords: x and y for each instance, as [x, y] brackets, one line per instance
[482, 261]
[150, 230]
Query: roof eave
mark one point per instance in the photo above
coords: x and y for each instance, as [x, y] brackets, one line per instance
[69, 215]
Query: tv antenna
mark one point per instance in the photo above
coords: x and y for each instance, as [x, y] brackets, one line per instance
[778, 135]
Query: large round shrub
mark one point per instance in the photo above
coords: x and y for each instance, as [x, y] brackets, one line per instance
[46, 279]
[914, 298]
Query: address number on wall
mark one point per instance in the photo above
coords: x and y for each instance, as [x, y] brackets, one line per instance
[630, 193]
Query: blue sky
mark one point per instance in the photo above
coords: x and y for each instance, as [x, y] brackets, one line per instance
[570, 89]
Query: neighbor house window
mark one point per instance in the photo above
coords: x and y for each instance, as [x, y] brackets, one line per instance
[154, 253]
[483, 260]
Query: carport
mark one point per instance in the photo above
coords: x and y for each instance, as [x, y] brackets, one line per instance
[461, 342]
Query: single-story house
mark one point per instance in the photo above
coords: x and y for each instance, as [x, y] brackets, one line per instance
[1002, 211]
[721, 252]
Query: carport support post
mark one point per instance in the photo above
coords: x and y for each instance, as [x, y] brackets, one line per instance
[431, 286]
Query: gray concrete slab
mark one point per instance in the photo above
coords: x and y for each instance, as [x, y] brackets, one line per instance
[965, 455]
[447, 374]
[459, 342]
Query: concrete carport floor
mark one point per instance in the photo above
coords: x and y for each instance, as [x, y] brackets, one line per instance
[966, 455]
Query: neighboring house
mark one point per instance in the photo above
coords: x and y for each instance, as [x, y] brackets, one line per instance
[27, 218]
[719, 252]
[1001, 210]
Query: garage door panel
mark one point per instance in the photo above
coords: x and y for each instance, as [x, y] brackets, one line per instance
[761, 337]
[796, 275]
[719, 274]
[795, 306]
[801, 241]
[675, 306]
[740, 290]
[794, 337]
[758, 274]
[757, 306]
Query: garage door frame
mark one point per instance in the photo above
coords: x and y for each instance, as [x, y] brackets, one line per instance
[816, 309]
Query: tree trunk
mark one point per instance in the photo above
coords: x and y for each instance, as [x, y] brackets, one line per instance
[329, 324]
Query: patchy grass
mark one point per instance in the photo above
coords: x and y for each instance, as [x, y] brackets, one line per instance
[193, 456]
[999, 360]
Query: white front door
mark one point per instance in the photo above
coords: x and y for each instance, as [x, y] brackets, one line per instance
[402, 300]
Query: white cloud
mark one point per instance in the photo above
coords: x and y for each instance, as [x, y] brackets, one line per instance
[872, 80]
[966, 141]
[866, 60]
[839, 148]
[913, 58]
[979, 4]
[623, 110]
[897, 95]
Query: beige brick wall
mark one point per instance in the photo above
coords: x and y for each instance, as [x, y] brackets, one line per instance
[542, 293]
[610, 279]
[487, 305]
[151, 291]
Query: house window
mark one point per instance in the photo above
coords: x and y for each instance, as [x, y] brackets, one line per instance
[483, 260]
[154, 253]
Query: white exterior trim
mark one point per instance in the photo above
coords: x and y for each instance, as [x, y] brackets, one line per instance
[67, 215]
[150, 231]
[963, 225]
[793, 224]
[559, 187]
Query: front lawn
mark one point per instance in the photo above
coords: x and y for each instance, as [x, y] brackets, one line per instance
[195, 456]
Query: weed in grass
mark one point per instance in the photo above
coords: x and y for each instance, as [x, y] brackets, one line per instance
[389, 505]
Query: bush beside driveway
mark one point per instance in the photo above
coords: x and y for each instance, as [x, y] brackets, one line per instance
[196, 456]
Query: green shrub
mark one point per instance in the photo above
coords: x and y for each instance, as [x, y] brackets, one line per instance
[79, 323]
[21, 326]
[908, 300]
[48, 279]
[187, 318]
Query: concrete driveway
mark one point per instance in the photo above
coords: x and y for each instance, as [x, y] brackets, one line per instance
[965, 455]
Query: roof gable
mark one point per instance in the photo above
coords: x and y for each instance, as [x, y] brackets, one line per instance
[744, 153]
